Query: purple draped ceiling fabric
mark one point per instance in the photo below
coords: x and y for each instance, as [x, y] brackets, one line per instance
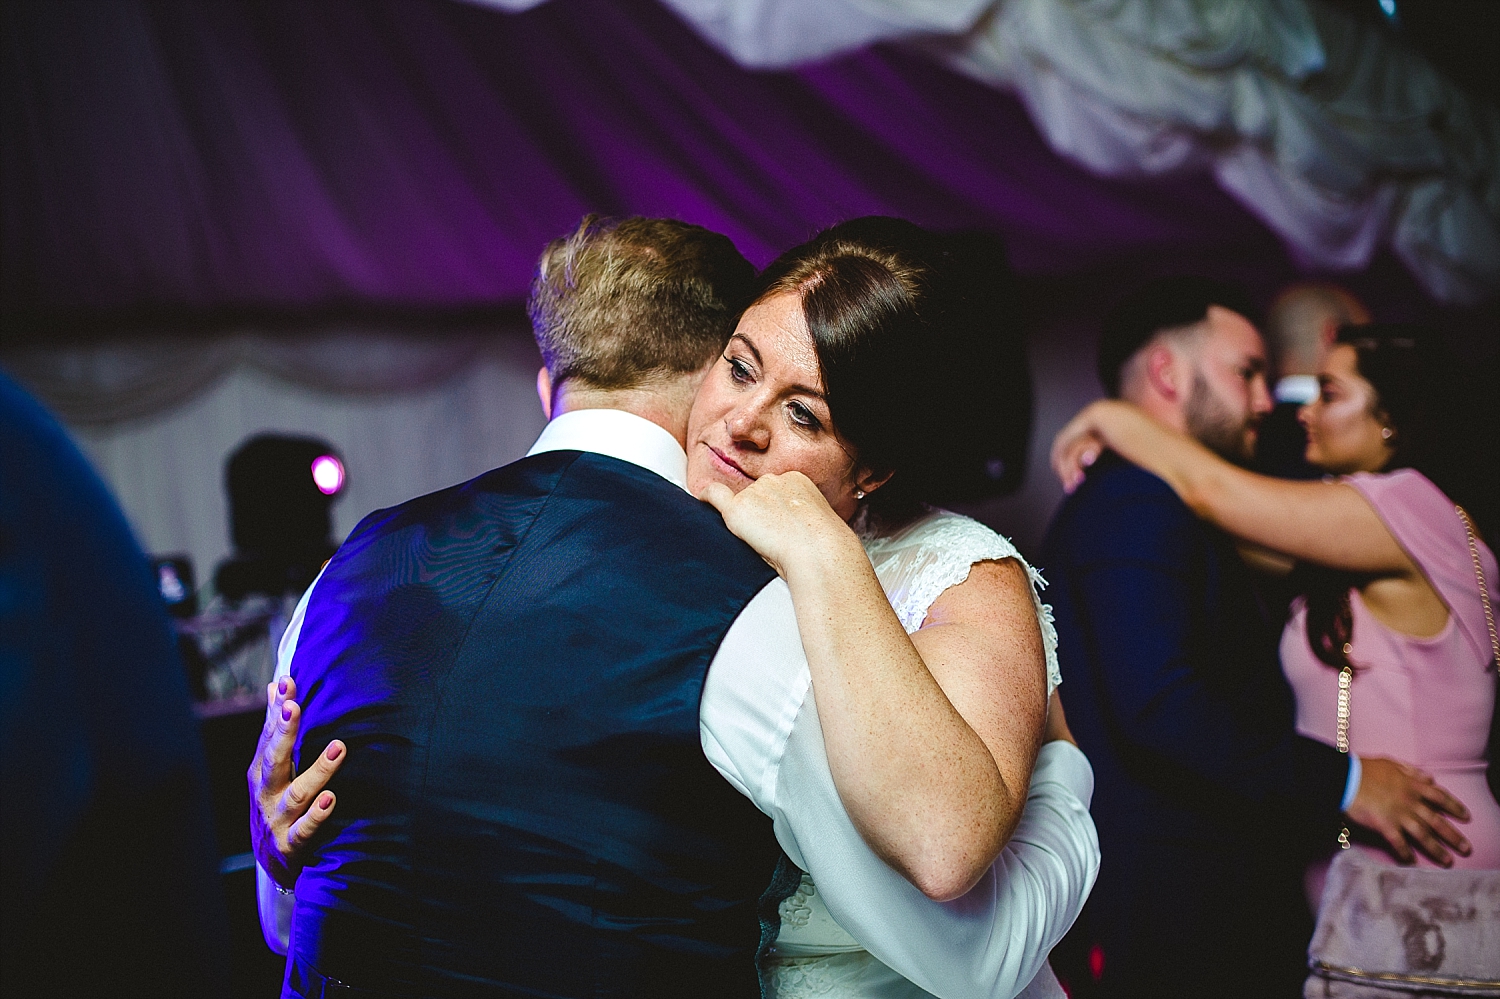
[1339, 137]
[417, 153]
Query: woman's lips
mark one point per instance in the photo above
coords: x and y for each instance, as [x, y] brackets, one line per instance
[723, 463]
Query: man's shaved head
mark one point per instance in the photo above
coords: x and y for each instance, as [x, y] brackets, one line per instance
[1304, 319]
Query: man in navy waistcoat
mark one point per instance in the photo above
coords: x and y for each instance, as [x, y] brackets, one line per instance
[570, 714]
[1209, 805]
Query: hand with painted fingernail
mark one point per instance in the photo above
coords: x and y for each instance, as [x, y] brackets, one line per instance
[287, 809]
[1082, 440]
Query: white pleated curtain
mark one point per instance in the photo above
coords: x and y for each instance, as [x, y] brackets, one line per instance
[158, 417]
[97, 385]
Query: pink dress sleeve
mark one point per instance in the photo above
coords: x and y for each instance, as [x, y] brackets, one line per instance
[1425, 524]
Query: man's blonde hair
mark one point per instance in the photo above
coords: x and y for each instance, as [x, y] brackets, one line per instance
[622, 301]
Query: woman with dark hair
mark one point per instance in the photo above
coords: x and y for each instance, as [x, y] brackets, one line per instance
[844, 404]
[876, 372]
[1390, 647]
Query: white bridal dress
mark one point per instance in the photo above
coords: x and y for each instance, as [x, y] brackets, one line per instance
[814, 958]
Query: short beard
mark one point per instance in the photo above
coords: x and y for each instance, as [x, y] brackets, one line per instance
[1215, 427]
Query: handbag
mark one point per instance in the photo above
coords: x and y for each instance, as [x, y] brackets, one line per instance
[1385, 932]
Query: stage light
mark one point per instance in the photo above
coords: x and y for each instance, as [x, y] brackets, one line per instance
[328, 474]
[174, 581]
[170, 584]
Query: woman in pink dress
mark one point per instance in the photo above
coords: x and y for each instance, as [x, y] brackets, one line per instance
[1387, 564]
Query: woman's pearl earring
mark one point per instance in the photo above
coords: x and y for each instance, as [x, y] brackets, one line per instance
[1385, 433]
[859, 494]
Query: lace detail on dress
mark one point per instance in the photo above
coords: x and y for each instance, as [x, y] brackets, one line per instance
[796, 910]
[794, 977]
[807, 927]
[918, 562]
[855, 975]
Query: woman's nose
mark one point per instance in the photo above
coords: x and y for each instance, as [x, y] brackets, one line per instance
[747, 428]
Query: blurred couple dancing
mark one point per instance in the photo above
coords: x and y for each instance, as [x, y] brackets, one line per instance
[701, 697]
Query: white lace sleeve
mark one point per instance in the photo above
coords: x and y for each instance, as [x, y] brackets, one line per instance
[924, 558]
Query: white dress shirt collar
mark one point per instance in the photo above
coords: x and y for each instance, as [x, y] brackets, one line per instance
[615, 433]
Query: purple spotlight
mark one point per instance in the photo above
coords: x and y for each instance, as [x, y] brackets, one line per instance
[328, 474]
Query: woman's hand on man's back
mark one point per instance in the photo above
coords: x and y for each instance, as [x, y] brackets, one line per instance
[286, 812]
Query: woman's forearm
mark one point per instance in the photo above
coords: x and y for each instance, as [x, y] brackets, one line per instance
[924, 789]
[1254, 508]
[917, 781]
[1234, 499]
[1312, 521]
[1196, 474]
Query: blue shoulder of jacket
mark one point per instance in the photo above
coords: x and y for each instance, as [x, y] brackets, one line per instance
[457, 499]
[1120, 509]
[1113, 478]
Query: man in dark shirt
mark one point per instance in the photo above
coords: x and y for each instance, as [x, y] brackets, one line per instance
[1208, 804]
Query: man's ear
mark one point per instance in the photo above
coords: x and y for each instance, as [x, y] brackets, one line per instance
[1327, 334]
[1164, 372]
[544, 390]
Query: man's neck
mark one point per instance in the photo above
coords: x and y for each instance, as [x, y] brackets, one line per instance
[665, 402]
[1164, 411]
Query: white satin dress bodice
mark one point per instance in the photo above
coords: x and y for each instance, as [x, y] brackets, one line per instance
[814, 958]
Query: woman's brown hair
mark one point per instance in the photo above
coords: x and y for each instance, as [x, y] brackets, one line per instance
[923, 362]
[1439, 427]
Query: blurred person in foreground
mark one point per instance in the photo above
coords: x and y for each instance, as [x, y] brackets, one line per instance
[96, 790]
[1301, 324]
[1210, 801]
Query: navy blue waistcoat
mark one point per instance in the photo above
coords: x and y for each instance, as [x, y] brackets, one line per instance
[516, 665]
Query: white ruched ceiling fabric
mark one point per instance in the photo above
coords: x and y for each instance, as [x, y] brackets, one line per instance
[1337, 138]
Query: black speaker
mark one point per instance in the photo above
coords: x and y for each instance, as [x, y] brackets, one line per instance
[987, 395]
[280, 491]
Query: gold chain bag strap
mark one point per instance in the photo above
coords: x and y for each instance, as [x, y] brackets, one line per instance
[1412, 932]
[1341, 733]
[1484, 591]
